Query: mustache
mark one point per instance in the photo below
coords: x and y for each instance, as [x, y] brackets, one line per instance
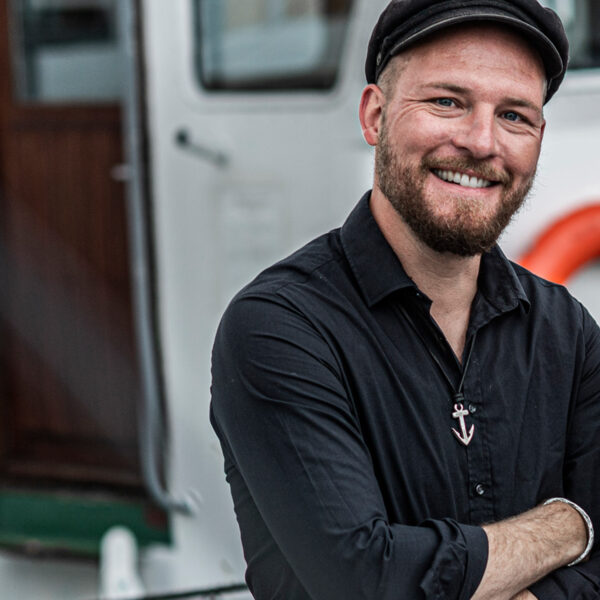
[480, 168]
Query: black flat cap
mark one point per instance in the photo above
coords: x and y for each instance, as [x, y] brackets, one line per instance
[405, 22]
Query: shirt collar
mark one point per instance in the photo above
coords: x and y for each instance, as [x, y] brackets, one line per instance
[499, 284]
[372, 260]
[379, 273]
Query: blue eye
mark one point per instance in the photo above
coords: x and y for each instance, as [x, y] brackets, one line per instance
[447, 102]
[512, 116]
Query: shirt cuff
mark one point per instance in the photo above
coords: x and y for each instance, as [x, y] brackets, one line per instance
[459, 563]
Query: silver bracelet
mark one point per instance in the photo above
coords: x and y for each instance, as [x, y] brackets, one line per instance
[588, 524]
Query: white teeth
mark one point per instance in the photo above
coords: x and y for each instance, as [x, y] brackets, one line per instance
[462, 179]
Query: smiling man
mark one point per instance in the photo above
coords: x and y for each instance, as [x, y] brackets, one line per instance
[405, 413]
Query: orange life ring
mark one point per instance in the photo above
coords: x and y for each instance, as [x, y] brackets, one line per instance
[566, 245]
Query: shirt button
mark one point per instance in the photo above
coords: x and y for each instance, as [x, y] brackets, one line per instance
[472, 408]
[480, 489]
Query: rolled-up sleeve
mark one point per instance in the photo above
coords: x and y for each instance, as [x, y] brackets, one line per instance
[302, 478]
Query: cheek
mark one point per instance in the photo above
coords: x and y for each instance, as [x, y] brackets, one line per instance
[422, 133]
[522, 159]
[520, 153]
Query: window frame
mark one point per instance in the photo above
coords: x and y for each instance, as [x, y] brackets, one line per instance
[303, 83]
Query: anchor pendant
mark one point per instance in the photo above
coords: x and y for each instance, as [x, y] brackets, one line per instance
[460, 413]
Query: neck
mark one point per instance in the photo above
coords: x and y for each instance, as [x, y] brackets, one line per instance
[450, 281]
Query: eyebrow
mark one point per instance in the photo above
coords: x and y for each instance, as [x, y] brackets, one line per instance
[457, 89]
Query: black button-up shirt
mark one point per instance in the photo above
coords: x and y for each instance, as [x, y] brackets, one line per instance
[333, 399]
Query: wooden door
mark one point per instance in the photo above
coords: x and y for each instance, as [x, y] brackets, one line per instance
[68, 374]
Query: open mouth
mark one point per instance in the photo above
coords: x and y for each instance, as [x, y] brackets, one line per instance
[463, 179]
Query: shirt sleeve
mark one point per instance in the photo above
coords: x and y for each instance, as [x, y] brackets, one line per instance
[582, 475]
[288, 428]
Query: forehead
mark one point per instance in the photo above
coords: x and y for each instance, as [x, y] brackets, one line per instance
[486, 51]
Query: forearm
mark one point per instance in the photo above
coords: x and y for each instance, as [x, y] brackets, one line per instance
[524, 595]
[525, 548]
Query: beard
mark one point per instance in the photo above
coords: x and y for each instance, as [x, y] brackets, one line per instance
[462, 233]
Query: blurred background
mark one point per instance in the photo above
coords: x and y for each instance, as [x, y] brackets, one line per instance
[154, 156]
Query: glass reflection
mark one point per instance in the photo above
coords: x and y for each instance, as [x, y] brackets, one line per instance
[66, 50]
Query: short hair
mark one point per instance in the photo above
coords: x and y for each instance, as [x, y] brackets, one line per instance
[390, 74]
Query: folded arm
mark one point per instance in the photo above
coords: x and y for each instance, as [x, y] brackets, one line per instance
[527, 547]
[294, 445]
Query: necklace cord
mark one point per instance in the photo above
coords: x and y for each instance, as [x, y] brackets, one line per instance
[457, 393]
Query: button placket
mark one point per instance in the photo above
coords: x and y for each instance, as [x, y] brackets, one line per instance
[481, 494]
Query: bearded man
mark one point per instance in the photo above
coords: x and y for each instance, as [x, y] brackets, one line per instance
[405, 413]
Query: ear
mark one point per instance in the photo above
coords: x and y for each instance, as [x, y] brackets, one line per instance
[370, 111]
[542, 130]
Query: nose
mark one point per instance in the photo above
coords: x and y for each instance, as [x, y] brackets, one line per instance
[476, 133]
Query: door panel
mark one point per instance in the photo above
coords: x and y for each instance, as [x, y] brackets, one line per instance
[67, 362]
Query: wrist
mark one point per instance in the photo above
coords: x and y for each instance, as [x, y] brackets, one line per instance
[583, 518]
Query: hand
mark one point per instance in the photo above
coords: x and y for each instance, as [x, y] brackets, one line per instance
[524, 595]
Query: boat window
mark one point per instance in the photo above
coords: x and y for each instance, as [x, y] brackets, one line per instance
[582, 22]
[269, 44]
[65, 50]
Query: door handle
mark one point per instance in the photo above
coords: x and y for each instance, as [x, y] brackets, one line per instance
[184, 140]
